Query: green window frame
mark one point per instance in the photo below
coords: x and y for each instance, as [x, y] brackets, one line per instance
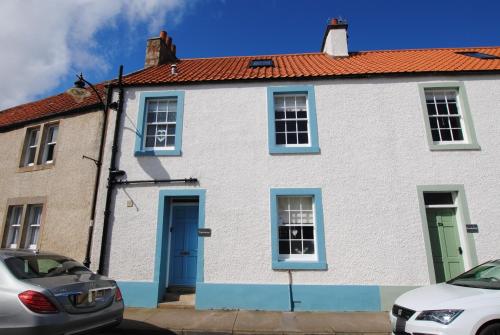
[469, 141]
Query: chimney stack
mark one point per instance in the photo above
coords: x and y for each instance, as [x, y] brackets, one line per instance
[335, 39]
[160, 50]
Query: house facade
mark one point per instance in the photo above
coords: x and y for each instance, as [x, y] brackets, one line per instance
[46, 186]
[312, 182]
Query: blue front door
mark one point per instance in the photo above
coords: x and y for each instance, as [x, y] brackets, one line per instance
[184, 242]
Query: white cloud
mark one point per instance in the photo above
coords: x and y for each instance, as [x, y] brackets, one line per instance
[42, 41]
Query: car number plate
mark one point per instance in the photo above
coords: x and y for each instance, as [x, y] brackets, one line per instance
[91, 296]
[97, 294]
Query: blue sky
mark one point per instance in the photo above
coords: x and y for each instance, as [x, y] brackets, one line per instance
[210, 28]
[243, 27]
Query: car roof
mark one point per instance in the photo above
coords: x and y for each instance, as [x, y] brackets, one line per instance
[8, 253]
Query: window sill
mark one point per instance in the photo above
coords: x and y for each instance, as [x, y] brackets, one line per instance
[294, 150]
[461, 146]
[35, 168]
[294, 265]
[175, 152]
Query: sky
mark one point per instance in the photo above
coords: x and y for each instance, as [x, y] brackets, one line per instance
[44, 44]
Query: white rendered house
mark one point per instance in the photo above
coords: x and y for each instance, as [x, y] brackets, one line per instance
[324, 181]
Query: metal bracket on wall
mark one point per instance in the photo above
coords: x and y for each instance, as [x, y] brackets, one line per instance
[96, 162]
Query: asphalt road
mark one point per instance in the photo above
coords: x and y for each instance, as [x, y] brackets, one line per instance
[130, 327]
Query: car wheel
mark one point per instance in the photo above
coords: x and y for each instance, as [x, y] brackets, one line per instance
[493, 329]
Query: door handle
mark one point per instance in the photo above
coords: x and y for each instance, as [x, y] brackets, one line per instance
[460, 250]
[184, 253]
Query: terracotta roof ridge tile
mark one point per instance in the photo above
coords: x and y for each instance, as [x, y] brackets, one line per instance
[253, 56]
[429, 49]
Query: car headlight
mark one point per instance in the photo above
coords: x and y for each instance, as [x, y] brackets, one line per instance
[445, 316]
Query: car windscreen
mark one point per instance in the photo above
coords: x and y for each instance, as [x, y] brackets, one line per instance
[485, 276]
[40, 266]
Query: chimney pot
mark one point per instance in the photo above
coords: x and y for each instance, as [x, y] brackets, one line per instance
[334, 22]
[163, 35]
[173, 69]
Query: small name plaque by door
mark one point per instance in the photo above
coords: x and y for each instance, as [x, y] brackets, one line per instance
[204, 232]
[472, 228]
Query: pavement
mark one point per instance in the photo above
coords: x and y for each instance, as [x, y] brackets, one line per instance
[139, 321]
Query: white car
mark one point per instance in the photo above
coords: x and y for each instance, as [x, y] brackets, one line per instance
[466, 305]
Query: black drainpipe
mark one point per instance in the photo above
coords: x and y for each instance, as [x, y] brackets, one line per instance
[98, 164]
[290, 291]
[111, 175]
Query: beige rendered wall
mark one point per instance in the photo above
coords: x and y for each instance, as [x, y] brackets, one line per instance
[67, 186]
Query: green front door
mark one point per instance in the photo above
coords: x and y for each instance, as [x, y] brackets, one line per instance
[445, 243]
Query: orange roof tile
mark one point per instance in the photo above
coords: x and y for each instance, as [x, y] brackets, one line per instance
[292, 66]
[54, 105]
[311, 65]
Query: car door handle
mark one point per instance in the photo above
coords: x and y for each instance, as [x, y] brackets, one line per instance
[184, 253]
[460, 250]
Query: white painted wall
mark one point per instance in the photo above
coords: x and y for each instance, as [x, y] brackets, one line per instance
[374, 153]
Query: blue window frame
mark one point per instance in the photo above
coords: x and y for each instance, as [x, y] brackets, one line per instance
[292, 123]
[159, 123]
[297, 232]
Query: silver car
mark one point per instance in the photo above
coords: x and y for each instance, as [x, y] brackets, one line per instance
[45, 293]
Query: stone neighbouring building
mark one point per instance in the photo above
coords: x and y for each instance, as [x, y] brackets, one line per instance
[46, 186]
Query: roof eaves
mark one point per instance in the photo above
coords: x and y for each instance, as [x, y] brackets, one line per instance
[309, 77]
[23, 123]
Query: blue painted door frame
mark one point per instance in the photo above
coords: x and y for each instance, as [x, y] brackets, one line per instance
[184, 244]
[163, 235]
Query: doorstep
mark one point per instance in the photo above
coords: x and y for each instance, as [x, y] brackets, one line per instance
[178, 299]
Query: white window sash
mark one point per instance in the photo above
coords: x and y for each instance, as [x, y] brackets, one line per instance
[14, 224]
[299, 257]
[33, 134]
[50, 142]
[286, 145]
[431, 93]
[166, 123]
[34, 223]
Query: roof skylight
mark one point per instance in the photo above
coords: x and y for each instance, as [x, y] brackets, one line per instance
[261, 63]
[479, 55]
